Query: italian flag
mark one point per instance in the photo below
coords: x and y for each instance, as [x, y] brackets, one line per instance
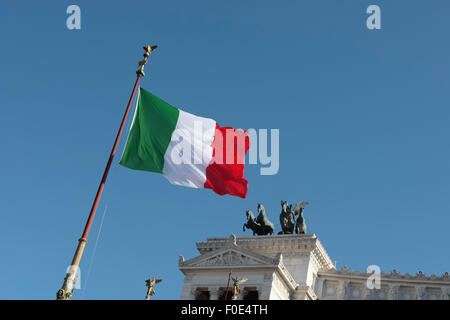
[188, 150]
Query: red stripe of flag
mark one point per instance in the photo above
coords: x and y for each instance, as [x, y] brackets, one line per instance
[228, 178]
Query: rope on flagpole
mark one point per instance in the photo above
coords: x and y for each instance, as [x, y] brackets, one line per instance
[95, 249]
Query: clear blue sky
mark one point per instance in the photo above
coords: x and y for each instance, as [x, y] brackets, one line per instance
[363, 117]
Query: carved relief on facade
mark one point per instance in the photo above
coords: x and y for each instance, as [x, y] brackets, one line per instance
[228, 259]
[356, 291]
[379, 294]
[330, 288]
[407, 293]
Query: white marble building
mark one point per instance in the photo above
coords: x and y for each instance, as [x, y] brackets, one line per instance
[293, 267]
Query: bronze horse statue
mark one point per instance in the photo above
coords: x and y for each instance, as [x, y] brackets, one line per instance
[287, 221]
[300, 225]
[287, 218]
[261, 225]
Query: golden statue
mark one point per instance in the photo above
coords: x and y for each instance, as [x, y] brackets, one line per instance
[150, 283]
[236, 289]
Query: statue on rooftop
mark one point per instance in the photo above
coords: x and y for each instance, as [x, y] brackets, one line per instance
[287, 221]
[261, 225]
[287, 218]
[300, 225]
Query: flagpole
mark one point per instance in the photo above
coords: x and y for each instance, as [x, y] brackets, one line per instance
[66, 291]
[228, 286]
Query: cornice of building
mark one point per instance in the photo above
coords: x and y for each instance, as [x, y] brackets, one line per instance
[304, 243]
[393, 276]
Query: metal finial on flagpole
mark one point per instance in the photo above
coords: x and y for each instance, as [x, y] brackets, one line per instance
[148, 50]
[66, 291]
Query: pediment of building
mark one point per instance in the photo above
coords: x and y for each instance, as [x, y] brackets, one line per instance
[230, 256]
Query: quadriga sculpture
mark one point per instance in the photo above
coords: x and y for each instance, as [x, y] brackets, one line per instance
[261, 225]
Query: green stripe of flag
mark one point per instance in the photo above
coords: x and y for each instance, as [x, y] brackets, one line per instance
[151, 130]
